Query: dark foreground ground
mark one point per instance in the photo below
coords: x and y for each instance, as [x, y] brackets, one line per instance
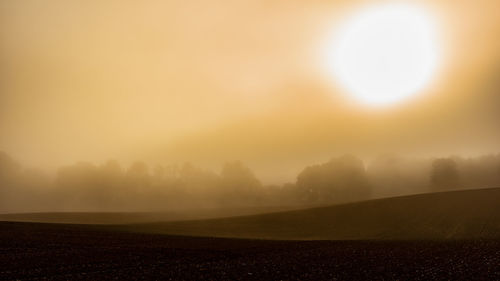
[69, 252]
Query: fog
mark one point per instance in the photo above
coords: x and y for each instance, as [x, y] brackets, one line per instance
[108, 186]
[207, 83]
[203, 82]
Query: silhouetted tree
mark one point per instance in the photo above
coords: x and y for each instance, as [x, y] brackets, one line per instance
[444, 174]
[239, 184]
[85, 185]
[198, 182]
[9, 168]
[339, 180]
[9, 173]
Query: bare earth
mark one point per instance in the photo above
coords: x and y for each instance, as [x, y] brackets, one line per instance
[70, 252]
[442, 236]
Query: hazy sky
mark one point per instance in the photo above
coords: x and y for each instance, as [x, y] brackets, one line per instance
[210, 81]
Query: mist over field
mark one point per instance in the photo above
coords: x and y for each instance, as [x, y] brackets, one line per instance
[201, 105]
[207, 83]
[110, 186]
[249, 140]
[243, 104]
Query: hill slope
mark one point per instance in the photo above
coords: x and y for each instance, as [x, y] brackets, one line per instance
[138, 217]
[468, 214]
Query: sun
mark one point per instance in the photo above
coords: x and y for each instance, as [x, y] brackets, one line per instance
[385, 54]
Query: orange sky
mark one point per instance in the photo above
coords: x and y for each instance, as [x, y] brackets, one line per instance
[210, 81]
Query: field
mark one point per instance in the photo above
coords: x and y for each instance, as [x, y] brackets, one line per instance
[443, 236]
[138, 217]
[468, 214]
[70, 252]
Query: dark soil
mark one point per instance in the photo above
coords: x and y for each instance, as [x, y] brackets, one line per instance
[69, 252]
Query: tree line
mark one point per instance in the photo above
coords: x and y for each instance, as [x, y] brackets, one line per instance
[110, 187]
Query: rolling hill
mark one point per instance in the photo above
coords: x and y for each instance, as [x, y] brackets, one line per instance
[138, 217]
[464, 214]
[467, 214]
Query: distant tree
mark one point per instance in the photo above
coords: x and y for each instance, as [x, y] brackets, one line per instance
[158, 173]
[289, 195]
[111, 169]
[312, 182]
[76, 176]
[341, 179]
[239, 184]
[9, 168]
[497, 157]
[197, 181]
[111, 180]
[444, 174]
[82, 186]
[138, 177]
[138, 169]
[9, 178]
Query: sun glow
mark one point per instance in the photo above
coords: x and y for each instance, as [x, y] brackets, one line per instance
[385, 54]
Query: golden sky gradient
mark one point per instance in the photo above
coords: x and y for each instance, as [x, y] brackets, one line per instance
[211, 81]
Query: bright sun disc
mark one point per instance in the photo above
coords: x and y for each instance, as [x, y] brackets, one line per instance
[385, 54]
